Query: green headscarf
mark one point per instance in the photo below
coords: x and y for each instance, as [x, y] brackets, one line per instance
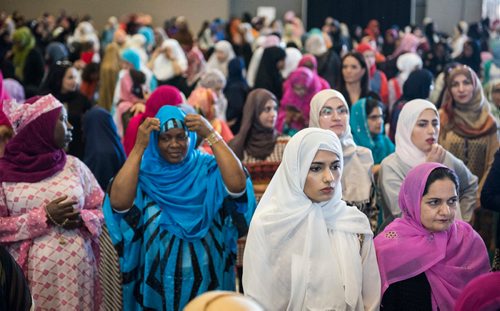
[24, 42]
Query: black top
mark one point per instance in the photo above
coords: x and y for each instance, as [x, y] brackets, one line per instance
[14, 291]
[490, 195]
[413, 294]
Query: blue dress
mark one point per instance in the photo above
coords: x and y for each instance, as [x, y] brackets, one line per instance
[179, 238]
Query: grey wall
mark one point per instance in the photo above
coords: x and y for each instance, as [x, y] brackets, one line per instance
[447, 13]
[195, 10]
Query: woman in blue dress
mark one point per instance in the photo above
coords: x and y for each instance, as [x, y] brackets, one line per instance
[174, 214]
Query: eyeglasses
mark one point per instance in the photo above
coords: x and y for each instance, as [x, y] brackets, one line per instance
[327, 112]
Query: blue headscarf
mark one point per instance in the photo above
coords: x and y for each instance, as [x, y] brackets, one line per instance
[132, 57]
[380, 145]
[189, 193]
[148, 33]
[104, 154]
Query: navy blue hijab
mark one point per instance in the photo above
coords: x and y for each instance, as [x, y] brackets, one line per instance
[104, 154]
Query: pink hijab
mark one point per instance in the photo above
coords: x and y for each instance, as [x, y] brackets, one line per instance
[450, 259]
[309, 58]
[3, 96]
[305, 77]
[163, 95]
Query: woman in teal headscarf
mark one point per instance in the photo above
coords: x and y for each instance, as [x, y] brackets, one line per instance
[367, 124]
[174, 213]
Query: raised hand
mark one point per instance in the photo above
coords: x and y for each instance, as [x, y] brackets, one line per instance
[144, 132]
[198, 124]
[437, 154]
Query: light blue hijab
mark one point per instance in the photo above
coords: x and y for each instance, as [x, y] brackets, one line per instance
[189, 193]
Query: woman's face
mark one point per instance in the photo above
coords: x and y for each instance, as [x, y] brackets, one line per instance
[323, 176]
[267, 117]
[299, 89]
[334, 116]
[495, 95]
[352, 70]
[375, 121]
[468, 50]
[62, 130]
[426, 131]
[221, 55]
[69, 82]
[369, 58]
[173, 145]
[280, 64]
[438, 206]
[462, 89]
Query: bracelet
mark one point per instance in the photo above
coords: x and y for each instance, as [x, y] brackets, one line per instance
[53, 221]
[213, 138]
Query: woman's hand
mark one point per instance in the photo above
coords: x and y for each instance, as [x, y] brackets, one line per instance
[59, 213]
[144, 132]
[198, 124]
[437, 154]
[138, 108]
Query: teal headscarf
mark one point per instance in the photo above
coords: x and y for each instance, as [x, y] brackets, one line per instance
[189, 193]
[380, 145]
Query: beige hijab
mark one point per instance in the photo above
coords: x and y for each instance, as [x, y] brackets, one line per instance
[472, 119]
[357, 176]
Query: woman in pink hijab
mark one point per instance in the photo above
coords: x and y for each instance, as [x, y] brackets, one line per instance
[299, 89]
[5, 127]
[427, 256]
[309, 61]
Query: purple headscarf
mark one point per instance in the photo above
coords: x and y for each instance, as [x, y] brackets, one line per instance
[450, 259]
[32, 155]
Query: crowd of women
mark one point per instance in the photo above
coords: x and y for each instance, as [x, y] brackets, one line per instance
[142, 167]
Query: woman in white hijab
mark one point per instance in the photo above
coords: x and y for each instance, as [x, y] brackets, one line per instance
[406, 64]
[306, 248]
[329, 110]
[168, 62]
[222, 55]
[417, 134]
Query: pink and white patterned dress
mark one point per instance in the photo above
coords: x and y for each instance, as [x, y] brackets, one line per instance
[60, 264]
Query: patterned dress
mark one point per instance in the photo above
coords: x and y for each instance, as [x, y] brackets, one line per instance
[161, 271]
[262, 171]
[60, 265]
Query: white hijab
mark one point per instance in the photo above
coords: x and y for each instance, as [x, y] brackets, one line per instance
[302, 255]
[357, 177]
[163, 68]
[406, 64]
[293, 57]
[408, 117]
[213, 61]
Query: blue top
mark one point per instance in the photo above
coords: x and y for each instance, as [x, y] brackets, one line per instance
[179, 238]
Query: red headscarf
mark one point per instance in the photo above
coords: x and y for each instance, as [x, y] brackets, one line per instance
[164, 95]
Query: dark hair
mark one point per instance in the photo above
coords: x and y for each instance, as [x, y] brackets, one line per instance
[365, 79]
[90, 72]
[53, 81]
[441, 173]
[372, 103]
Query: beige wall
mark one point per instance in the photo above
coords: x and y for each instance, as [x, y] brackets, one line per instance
[196, 11]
